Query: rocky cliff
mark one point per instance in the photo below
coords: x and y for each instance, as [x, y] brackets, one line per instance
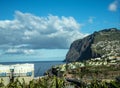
[99, 44]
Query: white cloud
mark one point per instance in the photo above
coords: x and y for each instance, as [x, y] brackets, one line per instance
[28, 51]
[19, 51]
[33, 32]
[113, 6]
[11, 51]
[91, 19]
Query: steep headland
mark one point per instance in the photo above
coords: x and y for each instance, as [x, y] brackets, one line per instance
[103, 43]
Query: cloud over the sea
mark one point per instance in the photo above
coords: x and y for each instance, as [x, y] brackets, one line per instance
[34, 32]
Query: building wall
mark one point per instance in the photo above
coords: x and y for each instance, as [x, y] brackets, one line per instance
[20, 72]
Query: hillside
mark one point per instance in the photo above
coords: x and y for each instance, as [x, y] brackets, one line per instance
[103, 44]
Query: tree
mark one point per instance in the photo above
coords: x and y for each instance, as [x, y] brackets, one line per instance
[2, 83]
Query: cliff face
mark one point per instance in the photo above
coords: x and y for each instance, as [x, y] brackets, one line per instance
[94, 45]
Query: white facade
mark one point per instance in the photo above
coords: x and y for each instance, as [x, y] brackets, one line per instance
[26, 69]
[19, 71]
[4, 68]
[18, 68]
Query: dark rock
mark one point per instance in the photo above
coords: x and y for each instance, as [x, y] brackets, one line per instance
[118, 79]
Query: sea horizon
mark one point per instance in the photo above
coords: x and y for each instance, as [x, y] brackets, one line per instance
[32, 61]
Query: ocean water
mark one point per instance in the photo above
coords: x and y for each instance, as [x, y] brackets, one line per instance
[39, 66]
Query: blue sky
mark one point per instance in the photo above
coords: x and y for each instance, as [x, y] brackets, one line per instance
[44, 29]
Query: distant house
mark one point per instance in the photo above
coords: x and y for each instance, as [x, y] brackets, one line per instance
[118, 58]
[12, 72]
[97, 58]
[111, 57]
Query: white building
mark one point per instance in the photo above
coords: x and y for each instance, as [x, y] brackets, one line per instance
[20, 71]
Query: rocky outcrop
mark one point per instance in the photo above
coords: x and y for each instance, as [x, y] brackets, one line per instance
[82, 49]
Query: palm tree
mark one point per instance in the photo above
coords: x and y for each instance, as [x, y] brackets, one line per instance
[113, 84]
[32, 84]
[2, 83]
[57, 83]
